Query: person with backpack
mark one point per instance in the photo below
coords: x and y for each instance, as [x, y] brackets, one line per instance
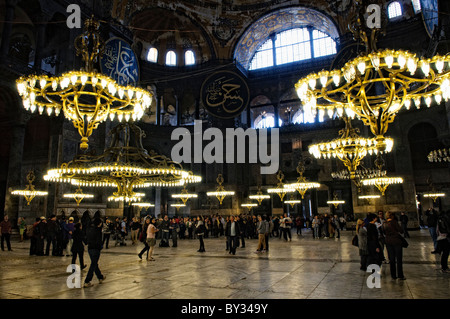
[443, 244]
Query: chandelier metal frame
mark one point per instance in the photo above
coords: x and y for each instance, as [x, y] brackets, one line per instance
[30, 192]
[280, 189]
[220, 192]
[302, 186]
[78, 196]
[184, 195]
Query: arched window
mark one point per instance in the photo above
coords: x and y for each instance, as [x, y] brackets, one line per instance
[266, 120]
[394, 10]
[300, 118]
[416, 5]
[171, 58]
[293, 45]
[152, 55]
[189, 58]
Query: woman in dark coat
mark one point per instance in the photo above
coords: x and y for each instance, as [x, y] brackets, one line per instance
[394, 247]
[78, 246]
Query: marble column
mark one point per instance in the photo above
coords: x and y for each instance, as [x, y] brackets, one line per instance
[157, 201]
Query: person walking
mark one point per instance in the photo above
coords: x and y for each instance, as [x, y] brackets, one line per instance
[232, 231]
[404, 221]
[261, 229]
[135, 227]
[144, 237]
[361, 232]
[94, 242]
[150, 231]
[242, 226]
[78, 237]
[287, 222]
[200, 232]
[69, 229]
[393, 231]
[6, 230]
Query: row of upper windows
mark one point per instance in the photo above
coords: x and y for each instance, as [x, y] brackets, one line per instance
[395, 8]
[171, 57]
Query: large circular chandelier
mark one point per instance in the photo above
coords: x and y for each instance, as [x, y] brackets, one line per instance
[249, 206]
[335, 201]
[220, 192]
[29, 192]
[78, 196]
[86, 97]
[125, 165]
[375, 85]
[350, 148]
[382, 182]
[259, 196]
[434, 195]
[302, 185]
[280, 189]
[184, 195]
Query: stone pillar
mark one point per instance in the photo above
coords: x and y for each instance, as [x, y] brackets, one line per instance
[40, 40]
[15, 179]
[7, 26]
[157, 201]
[54, 161]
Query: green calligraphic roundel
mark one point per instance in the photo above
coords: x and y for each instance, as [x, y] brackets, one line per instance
[225, 94]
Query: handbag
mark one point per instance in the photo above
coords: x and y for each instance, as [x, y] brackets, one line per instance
[404, 242]
[355, 241]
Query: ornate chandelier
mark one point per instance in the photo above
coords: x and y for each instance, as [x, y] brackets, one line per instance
[78, 196]
[29, 192]
[220, 192]
[292, 201]
[259, 196]
[178, 206]
[184, 195]
[249, 206]
[350, 148]
[434, 195]
[382, 182]
[143, 205]
[369, 196]
[86, 97]
[126, 165]
[336, 201]
[280, 189]
[376, 85]
[441, 155]
[302, 185]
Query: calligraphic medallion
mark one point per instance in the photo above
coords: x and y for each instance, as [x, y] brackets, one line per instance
[225, 94]
[120, 62]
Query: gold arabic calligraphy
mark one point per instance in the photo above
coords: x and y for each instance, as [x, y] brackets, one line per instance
[227, 95]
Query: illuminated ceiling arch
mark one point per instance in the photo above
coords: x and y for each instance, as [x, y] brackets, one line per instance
[278, 21]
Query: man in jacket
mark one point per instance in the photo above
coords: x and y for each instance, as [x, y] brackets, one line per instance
[232, 232]
[95, 243]
[404, 221]
[373, 243]
[52, 231]
[165, 231]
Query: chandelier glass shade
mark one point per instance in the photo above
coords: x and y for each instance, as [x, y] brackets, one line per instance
[220, 192]
[301, 185]
[350, 148]
[292, 202]
[29, 192]
[125, 165]
[78, 196]
[184, 195]
[335, 202]
[441, 155]
[178, 206]
[280, 189]
[369, 196]
[85, 97]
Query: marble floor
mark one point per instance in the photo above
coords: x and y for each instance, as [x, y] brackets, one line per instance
[301, 269]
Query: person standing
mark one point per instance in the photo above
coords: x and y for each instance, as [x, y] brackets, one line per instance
[69, 228]
[242, 226]
[52, 230]
[135, 227]
[6, 229]
[78, 246]
[287, 221]
[22, 227]
[336, 226]
[165, 229]
[373, 242]
[393, 231]
[432, 219]
[404, 221]
[269, 227]
[108, 228]
[41, 232]
[200, 232]
[232, 231]
[443, 245]
[261, 230]
[361, 232]
[316, 227]
[94, 242]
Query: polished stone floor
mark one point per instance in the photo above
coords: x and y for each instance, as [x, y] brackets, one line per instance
[301, 269]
